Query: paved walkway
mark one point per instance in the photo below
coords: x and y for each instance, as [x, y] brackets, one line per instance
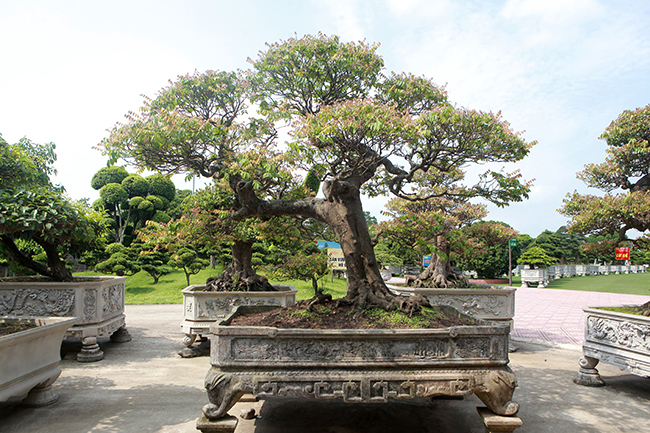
[144, 386]
[555, 316]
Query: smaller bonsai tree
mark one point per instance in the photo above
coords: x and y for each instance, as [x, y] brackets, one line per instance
[304, 266]
[154, 262]
[535, 257]
[33, 209]
[123, 261]
[189, 261]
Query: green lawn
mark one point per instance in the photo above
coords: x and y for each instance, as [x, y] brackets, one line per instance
[141, 290]
[632, 284]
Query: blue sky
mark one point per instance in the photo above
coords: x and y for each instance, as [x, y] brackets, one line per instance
[559, 70]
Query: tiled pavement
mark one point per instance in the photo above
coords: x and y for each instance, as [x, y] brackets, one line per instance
[555, 316]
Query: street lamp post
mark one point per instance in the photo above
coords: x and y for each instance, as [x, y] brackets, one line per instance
[511, 243]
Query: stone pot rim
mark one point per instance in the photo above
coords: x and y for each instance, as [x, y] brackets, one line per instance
[80, 280]
[478, 327]
[283, 289]
[20, 336]
[615, 314]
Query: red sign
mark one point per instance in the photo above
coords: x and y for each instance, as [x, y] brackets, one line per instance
[622, 253]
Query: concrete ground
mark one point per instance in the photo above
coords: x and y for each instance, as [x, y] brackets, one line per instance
[144, 386]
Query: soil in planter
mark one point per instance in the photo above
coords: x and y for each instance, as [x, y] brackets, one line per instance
[641, 310]
[330, 316]
[10, 328]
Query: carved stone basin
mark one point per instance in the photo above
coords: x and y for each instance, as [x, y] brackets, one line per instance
[614, 338]
[29, 360]
[201, 309]
[487, 303]
[360, 365]
[98, 302]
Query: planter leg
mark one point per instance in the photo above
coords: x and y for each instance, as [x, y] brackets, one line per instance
[189, 339]
[496, 391]
[90, 351]
[223, 392]
[587, 374]
[495, 423]
[42, 394]
[121, 335]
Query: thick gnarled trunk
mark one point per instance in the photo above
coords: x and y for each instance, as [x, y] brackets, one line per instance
[240, 275]
[365, 286]
[56, 268]
[342, 210]
[439, 274]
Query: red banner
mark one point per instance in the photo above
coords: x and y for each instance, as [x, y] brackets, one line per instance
[622, 253]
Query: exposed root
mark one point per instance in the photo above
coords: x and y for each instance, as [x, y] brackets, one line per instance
[439, 280]
[645, 309]
[320, 298]
[230, 281]
[385, 300]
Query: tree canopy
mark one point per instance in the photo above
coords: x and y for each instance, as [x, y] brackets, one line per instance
[625, 179]
[369, 131]
[33, 209]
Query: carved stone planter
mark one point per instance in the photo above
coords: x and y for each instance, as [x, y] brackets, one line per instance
[202, 309]
[30, 360]
[614, 338]
[98, 302]
[539, 276]
[494, 304]
[367, 365]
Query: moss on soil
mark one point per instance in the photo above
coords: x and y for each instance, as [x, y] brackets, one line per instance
[333, 316]
[10, 328]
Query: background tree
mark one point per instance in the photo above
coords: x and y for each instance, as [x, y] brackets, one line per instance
[152, 260]
[535, 257]
[309, 264]
[122, 261]
[32, 209]
[627, 170]
[131, 200]
[372, 133]
[486, 248]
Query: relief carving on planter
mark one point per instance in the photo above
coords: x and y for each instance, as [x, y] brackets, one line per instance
[337, 350]
[113, 302]
[628, 334]
[492, 387]
[473, 305]
[219, 308]
[37, 302]
[90, 299]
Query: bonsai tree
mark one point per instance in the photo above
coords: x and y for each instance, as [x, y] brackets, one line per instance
[535, 257]
[371, 132]
[625, 179]
[122, 261]
[130, 200]
[33, 209]
[434, 225]
[189, 261]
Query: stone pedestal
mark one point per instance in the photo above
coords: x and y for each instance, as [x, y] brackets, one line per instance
[360, 365]
[495, 423]
[227, 424]
[614, 338]
[202, 309]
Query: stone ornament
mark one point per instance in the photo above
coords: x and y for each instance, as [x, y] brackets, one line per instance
[202, 309]
[368, 365]
[619, 339]
[98, 302]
